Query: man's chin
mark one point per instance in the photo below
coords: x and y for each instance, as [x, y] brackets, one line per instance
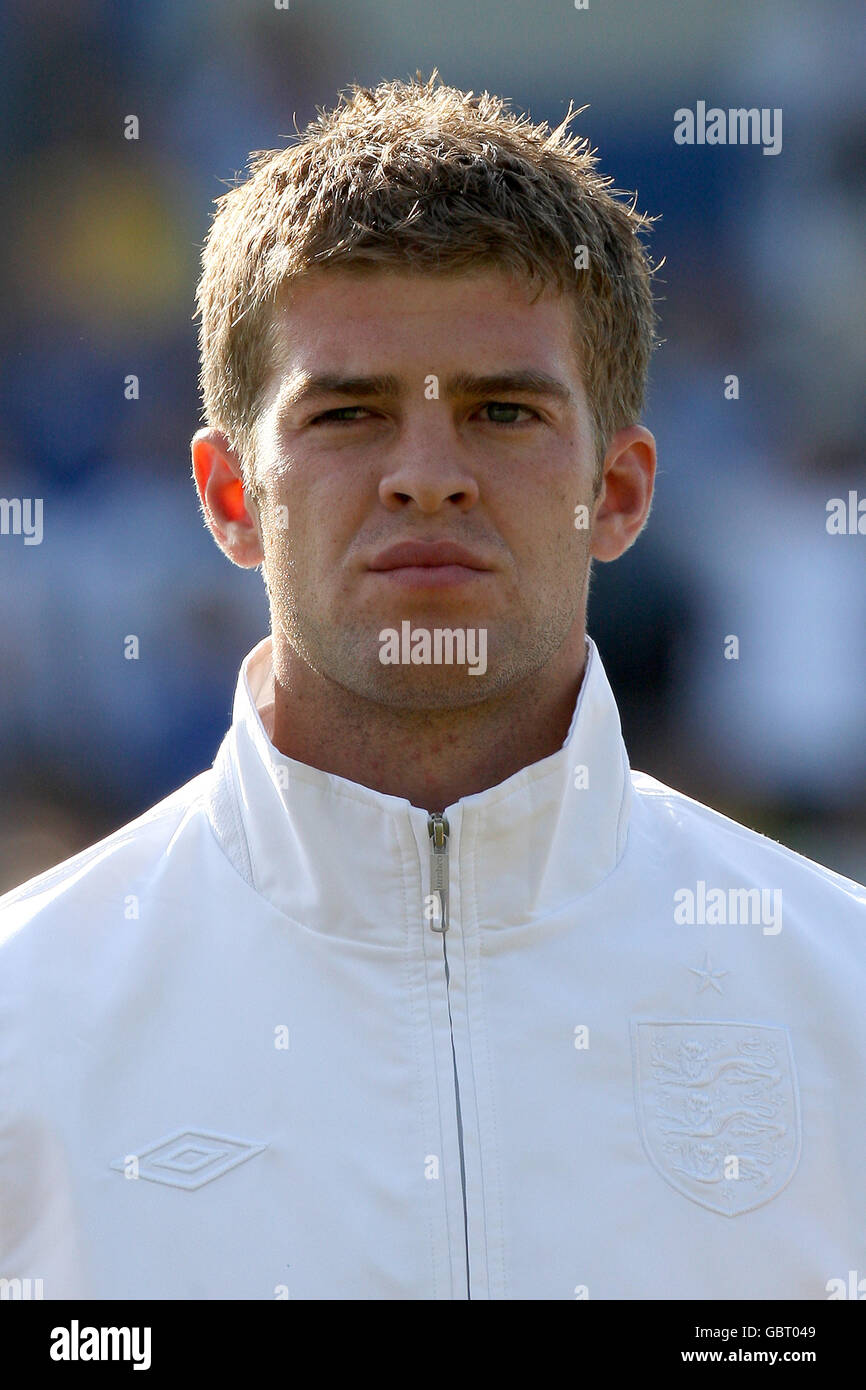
[426, 690]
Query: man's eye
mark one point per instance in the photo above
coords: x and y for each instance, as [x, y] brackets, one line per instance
[338, 415]
[503, 413]
[509, 408]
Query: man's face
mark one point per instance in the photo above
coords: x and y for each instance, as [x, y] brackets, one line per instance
[435, 455]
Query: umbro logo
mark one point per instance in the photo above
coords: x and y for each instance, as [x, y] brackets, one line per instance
[188, 1158]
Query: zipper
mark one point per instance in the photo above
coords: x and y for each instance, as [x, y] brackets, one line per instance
[437, 828]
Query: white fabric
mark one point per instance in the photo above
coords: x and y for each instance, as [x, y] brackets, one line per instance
[246, 972]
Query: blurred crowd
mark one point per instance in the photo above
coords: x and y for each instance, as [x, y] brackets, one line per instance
[764, 278]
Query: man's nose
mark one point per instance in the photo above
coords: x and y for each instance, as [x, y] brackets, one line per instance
[427, 466]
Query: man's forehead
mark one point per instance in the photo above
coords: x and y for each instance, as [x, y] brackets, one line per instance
[497, 336]
[349, 276]
[486, 301]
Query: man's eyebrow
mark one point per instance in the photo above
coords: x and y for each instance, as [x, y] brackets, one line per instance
[527, 381]
[310, 387]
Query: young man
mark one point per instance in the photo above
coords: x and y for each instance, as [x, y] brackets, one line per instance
[419, 992]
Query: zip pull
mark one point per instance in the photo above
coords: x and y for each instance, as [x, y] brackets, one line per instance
[437, 826]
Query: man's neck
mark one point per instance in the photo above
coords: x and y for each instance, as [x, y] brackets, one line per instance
[432, 758]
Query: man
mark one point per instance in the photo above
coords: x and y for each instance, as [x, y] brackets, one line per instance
[419, 993]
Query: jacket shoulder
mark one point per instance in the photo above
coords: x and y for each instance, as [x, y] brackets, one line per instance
[141, 841]
[672, 814]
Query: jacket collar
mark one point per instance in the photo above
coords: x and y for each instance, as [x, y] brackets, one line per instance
[348, 861]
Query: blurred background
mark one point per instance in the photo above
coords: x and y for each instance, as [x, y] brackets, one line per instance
[764, 277]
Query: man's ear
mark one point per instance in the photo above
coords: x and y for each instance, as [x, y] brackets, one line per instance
[229, 510]
[626, 492]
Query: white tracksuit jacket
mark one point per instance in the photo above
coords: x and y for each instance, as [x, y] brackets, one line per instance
[242, 1060]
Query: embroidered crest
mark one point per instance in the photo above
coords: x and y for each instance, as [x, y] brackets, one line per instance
[718, 1110]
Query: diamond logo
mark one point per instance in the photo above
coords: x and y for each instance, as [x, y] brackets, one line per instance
[189, 1158]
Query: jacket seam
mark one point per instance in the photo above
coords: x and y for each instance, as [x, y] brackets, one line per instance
[426, 1099]
[495, 1163]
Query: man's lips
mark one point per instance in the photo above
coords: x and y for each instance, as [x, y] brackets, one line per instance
[429, 564]
[427, 555]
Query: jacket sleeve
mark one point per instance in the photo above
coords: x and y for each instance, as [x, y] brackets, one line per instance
[38, 1235]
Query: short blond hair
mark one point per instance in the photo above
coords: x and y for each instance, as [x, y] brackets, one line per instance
[422, 176]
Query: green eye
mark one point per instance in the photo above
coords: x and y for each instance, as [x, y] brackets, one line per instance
[339, 412]
[510, 408]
